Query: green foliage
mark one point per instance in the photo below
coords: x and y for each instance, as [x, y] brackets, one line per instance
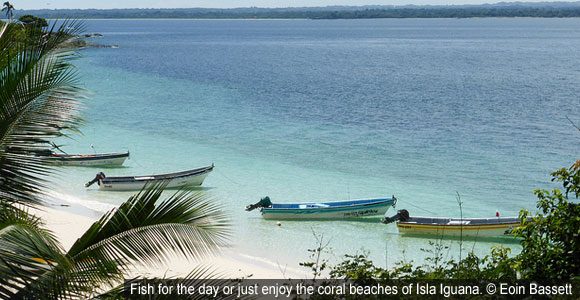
[30, 20]
[362, 271]
[39, 100]
[359, 268]
[143, 230]
[551, 244]
[497, 265]
[435, 262]
[318, 263]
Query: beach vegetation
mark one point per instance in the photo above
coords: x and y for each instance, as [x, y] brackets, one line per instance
[318, 263]
[551, 240]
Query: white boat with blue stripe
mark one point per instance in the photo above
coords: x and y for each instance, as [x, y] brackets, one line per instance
[347, 209]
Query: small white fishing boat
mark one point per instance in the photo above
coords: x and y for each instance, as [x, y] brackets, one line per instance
[324, 210]
[92, 160]
[469, 227]
[193, 177]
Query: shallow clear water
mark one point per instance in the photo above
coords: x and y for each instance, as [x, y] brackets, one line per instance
[306, 110]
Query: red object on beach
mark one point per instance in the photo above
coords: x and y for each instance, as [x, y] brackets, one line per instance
[497, 213]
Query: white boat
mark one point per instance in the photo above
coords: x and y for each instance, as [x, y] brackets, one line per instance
[324, 210]
[193, 177]
[89, 160]
[469, 227]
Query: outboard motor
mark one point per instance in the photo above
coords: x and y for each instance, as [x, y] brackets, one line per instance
[402, 215]
[100, 176]
[264, 202]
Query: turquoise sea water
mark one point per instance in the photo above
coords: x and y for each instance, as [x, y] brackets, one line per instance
[307, 110]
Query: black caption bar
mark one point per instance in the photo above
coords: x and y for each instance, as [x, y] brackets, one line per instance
[347, 289]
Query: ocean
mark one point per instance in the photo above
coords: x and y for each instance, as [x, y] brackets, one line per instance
[322, 110]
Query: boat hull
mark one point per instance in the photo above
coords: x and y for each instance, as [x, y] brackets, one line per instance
[481, 230]
[98, 160]
[138, 183]
[338, 212]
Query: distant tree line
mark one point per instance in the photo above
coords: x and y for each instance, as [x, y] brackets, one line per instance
[479, 11]
[473, 12]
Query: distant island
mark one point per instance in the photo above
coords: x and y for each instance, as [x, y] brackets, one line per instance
[498, 10]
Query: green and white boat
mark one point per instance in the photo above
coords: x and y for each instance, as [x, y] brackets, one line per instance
[346, 209]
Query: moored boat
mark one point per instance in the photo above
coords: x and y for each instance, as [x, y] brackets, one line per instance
[324, 210]
[193, 177]
[92, 160]
[470, 227]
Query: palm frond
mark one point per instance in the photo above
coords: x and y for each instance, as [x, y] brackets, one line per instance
[39, 98]
[26, 251]
[187, 222]
[140, 232]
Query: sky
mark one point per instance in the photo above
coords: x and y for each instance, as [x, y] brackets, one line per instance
[83, 4]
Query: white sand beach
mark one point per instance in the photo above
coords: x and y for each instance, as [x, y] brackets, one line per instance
[69, 221]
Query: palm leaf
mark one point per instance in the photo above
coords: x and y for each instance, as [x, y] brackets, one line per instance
[39, 96]
[140, 232]
[192, 214]
[27, 250]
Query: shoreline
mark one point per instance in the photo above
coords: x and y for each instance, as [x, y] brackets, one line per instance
[68, 221]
